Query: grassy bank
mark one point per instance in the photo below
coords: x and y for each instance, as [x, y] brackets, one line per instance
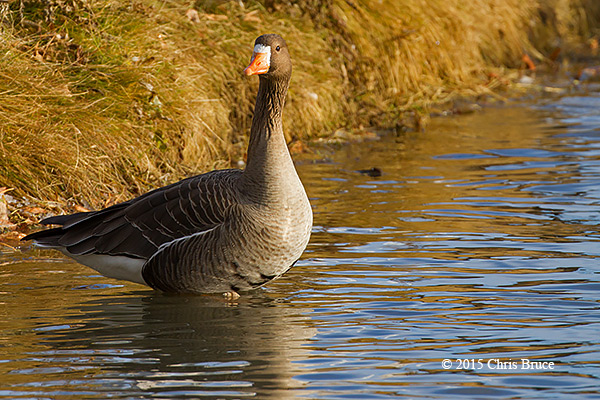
[103, 100]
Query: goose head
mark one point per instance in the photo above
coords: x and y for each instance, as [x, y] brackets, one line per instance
[270, 58]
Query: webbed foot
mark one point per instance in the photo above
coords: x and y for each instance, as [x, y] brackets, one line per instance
[231, 295]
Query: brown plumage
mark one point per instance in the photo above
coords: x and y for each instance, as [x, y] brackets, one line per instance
[223, 231]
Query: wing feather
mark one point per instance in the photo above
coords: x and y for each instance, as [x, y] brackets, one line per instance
[138, 227]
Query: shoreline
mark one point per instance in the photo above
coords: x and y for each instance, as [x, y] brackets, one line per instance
[105, 101]
[19, 216]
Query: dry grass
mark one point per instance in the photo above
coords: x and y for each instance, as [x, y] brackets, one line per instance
[102, 100]
[408, 55]
[109, 99]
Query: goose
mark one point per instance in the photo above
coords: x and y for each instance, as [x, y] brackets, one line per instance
[225, 231]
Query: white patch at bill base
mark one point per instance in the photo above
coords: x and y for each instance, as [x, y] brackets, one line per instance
[261, 48]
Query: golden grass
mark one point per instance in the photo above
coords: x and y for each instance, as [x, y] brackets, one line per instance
[138, 95]
[103, 100]
[411, 54]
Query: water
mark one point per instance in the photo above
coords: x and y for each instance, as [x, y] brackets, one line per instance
[478, 245]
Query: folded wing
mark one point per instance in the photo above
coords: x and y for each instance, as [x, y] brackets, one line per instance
[138, 227]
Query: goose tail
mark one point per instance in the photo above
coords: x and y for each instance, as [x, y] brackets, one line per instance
[46, 238]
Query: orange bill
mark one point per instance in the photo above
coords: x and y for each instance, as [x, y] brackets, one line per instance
[258, 65]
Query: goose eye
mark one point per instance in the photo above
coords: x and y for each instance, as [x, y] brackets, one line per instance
[277, 48]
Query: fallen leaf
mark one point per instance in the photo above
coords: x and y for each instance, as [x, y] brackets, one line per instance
[4, 221]
[555, 54]
[528, 62]
[193, 15]
[298, 147]
[38, 57]
[34, 210]
[12, 236]
[215, 17]
[252, 16]
[80, 208]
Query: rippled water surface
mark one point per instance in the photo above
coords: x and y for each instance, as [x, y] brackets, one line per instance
[478, 245]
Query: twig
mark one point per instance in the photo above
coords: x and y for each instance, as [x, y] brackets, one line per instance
[9, 246]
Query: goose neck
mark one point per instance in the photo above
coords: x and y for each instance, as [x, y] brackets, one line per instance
[268, 108]
[267, 141]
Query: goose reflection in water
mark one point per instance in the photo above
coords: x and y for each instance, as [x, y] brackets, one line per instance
[172, 346]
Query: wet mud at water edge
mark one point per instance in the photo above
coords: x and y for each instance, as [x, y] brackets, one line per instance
[468, 267]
